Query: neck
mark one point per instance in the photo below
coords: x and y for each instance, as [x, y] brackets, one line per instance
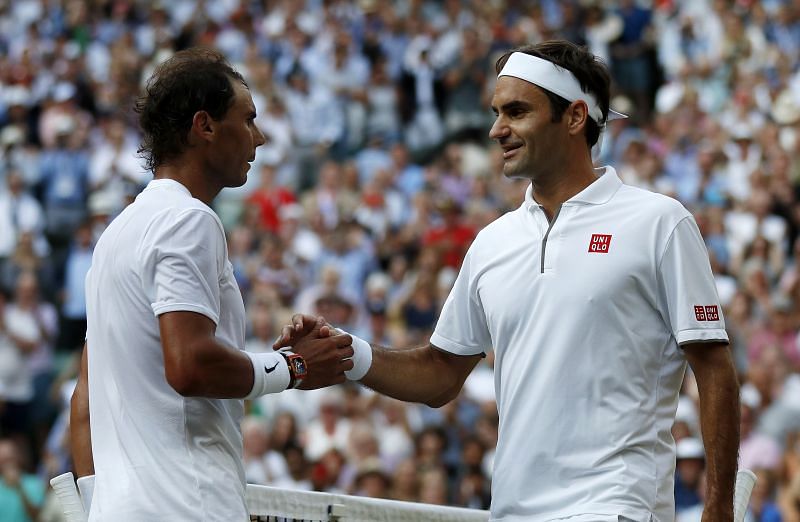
[190, 173]
[552, 190]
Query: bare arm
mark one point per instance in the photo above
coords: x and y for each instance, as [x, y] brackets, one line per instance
[197, 364]
[425, 374]
[80, 436]
[719, 421]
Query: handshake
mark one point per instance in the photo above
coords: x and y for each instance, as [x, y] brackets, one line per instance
[320, 355]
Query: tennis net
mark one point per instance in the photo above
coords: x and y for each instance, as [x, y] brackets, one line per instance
[269, 504]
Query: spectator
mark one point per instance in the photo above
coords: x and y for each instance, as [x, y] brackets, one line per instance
[268, 199]
[19, 213]
[21, 494]
[73, 295]
[114, 170]
[262, 464]
[65, 180]
[688, 472]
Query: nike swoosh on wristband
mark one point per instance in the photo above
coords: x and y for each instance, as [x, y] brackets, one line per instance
[270, 370]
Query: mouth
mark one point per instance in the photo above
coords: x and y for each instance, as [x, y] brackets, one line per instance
[510, 149]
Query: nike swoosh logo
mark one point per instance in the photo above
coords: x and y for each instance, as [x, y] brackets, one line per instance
[270, 370]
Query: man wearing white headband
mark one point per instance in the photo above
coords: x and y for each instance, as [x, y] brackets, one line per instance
[593, 296]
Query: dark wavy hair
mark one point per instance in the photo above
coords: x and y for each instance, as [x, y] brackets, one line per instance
[192, 80]
[591, 72]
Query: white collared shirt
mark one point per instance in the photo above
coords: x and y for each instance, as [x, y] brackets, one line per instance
[159, 455]
[588, 365]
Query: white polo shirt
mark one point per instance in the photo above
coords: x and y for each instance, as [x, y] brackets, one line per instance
[158, 455]
[585, 317]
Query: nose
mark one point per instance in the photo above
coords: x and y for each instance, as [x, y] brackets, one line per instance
[260, 138]
[499, 129]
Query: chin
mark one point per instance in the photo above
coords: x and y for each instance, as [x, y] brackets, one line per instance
[513, 172]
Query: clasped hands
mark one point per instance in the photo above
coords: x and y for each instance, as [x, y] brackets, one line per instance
[327, 351]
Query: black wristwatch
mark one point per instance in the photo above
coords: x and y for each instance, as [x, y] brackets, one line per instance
[297, 367]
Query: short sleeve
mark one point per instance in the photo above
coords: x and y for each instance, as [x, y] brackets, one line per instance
[182, 263]
[462, 328]
[687, 292]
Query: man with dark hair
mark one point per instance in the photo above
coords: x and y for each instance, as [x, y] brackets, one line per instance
[593, 295]
[164, 372]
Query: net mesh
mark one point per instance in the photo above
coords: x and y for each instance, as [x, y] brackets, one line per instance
[269, 504]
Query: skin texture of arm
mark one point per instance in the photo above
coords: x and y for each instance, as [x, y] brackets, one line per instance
[424, 374]
[80, 436]
[196, 364]
[719, 422]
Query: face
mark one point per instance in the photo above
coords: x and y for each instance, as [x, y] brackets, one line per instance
[523, 129]
[237, 139]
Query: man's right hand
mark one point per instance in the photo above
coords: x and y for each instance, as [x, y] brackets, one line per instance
[302, 325]
[326, 353]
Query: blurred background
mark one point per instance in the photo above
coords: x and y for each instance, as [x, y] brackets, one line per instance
[376, 175]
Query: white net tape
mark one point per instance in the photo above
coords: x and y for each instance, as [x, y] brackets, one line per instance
[270, 504]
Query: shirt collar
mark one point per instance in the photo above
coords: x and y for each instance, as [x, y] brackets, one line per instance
[168, 184]
[600, 191]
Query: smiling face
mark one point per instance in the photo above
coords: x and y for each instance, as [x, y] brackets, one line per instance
[532, 144]
[236, 140]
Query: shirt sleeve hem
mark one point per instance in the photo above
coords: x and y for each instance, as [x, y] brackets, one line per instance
[702, 336]
[185, 307]
[447, 345]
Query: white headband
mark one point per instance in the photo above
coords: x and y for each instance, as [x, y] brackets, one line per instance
[557, 80]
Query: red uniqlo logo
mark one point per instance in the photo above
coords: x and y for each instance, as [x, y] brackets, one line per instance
[706, 313]
[600, 243]
[700, 313]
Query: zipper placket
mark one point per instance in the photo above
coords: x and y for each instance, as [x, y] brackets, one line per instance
[549, 228]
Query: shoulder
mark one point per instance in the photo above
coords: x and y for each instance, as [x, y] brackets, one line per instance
[500, 230]
[496, 237]
[653, 211]
[176, 221]
[651, 203]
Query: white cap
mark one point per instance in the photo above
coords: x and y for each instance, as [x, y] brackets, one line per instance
[690, 448]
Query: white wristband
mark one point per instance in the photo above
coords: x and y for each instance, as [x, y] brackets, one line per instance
[362, 359]
[270, 373]
[86, 487]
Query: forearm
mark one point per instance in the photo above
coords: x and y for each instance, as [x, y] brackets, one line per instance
[211, 369]
[719, 421]
[422, 374]
[80, 436]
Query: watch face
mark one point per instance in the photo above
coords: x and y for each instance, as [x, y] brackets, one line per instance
[299, 367]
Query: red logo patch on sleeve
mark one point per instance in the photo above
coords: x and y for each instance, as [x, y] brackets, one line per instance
[706, 313]
[600, 243]
[700, 313]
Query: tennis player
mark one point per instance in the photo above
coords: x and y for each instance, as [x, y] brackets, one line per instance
[166, 321]
[593, 295]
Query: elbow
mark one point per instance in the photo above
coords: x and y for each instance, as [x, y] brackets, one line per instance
[438, 402]
[181, 379]
[443, 398]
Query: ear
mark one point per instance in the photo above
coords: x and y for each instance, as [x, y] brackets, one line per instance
[203, 128]
[576, 115]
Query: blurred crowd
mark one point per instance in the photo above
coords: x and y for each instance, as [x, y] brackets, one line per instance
[376, 175]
